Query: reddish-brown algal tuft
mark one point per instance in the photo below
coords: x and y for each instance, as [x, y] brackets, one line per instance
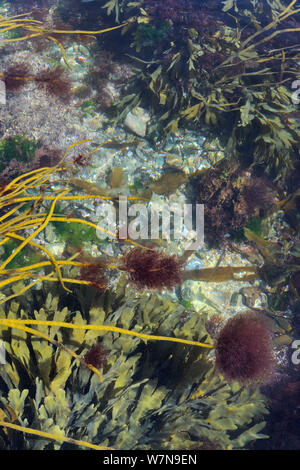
[244, 349]
[96, 356]
[152, 269]
[55, 81]
[94, 275]
[15, 76]
[82, 160]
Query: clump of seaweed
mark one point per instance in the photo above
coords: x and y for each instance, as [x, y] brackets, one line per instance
[95, 275]
[133, 402]
[284, 411]
[96, 356]
[232, 197]
[244, 349]
[15, 76]
[54, 81]
[147, 268]
[45, 156]
[29, 28]
[208, 71]
[152, 269]
[19, 155]
[135, 372]
[280, 269]
[16, 152]
[137, 405]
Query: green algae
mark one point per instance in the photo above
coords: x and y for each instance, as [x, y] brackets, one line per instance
[17, 147]
[25, 257]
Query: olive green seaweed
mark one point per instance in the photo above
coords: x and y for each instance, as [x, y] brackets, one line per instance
[247, 96]
[137, 405]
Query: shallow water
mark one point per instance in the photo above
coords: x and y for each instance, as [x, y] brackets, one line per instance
[180, 107]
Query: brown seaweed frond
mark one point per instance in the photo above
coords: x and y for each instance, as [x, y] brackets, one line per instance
[222, 274]
[55, 437]
[25, 226]
[33, 28]
[262, 35]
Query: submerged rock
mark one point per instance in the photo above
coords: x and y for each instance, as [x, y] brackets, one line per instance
[137, 121]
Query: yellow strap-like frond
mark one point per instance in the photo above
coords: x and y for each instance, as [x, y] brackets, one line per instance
[110, 328]
[54, 437]
[56, 343]
[34, 234]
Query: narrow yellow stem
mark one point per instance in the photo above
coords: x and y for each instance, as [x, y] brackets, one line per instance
[85, 222]
[288, 8]
[62, 50]
[8, 214]
[71, 198]
[42, 264]
[47, 252]
[32, 174]
[19, 220]
[13, 279]
[23, 38]
[59, 31]
[56, 343]
[36, 232]
[115, 329]
[54, 437]
[65, 279]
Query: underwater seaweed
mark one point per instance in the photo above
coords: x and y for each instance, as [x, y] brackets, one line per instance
[31, 28]
[231, 196]
[55, 81]
[152, 269]
[137, 405]
[16, 155]
[244, 349]
[95, 275]
[235, 80]
[97, 356]
[144, 333]
[129, 368]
